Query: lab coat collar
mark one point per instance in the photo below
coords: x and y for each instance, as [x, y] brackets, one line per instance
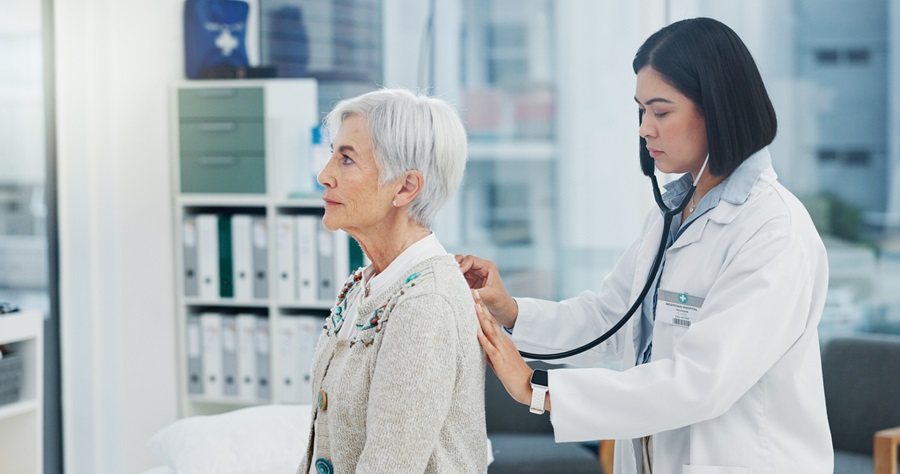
[735, 189]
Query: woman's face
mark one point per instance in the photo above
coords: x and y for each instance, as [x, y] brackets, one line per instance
[354, 202]
[672, 125]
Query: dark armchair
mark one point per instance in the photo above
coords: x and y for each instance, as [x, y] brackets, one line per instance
[862, 393]
[523, 443]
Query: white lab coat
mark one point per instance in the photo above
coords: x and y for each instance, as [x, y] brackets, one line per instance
[738, 392]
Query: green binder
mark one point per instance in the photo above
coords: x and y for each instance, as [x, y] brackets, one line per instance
[226, 271]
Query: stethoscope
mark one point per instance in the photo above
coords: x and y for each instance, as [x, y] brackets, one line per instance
[647, 167]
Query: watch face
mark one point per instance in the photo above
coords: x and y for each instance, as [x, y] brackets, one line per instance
[539, 377]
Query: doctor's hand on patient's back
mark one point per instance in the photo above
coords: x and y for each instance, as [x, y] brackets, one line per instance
[482, 275]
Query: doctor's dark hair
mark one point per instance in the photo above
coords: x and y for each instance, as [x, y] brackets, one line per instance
[707, 62]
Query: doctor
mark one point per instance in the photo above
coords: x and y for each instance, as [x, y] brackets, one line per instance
[722, 370]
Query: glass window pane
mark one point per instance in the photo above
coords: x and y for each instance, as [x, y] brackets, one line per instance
[23, 210]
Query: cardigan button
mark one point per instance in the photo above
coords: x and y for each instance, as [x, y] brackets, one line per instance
[323, 466]
[322, 401]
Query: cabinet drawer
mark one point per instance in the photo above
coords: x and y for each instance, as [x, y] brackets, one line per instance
[223, 173]
[218, 135]
[220, 102]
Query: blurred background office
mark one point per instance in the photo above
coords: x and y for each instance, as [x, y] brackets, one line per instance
[552, 192]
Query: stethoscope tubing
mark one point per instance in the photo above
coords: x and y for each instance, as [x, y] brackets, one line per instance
[668, 215]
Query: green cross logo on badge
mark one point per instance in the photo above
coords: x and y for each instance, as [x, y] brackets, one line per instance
[683, 298]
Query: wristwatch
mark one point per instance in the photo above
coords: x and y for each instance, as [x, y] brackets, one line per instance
[539, 388]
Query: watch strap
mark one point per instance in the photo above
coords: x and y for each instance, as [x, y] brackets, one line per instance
[537, 399]
[539, 387]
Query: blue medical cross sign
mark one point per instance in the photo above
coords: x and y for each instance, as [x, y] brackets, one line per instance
[683, 298]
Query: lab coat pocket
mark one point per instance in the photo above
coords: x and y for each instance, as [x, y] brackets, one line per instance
[715, 470]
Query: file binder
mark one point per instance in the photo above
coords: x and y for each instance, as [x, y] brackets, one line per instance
[263, 362]
[208, 256]
[342, 263]
[211, 325]
[226, 272]
[194, 355]
[325, 286]
[289, 342]
[189, 244]
[286, 261]
[260, 236]
[229, 356]
[242, 256]
[246, 357]
[309, 328]
[307, 258]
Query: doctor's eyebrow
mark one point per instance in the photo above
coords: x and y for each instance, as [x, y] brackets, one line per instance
[654, 100]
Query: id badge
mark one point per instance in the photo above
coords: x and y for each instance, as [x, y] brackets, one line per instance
[679, 309]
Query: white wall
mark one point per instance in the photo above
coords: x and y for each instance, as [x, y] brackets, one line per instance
[114, 60]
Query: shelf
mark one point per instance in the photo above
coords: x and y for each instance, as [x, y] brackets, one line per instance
[280, 237]
[21, 427]
[300, 203]
[296, 305]
[222, 200]
[225, 400]
[512, 150]
[261, 304]
[19, 327]
[18, 408]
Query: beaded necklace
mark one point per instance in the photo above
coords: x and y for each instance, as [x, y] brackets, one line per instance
[340, 307]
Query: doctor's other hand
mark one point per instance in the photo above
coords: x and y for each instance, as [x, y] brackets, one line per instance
[502, 355]
[482, 275]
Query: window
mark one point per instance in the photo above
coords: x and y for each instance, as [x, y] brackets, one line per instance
[827, 56]
[828, 155]
[857, 157]
[858, 56]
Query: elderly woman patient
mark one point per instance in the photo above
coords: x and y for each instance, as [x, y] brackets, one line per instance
[398, 373]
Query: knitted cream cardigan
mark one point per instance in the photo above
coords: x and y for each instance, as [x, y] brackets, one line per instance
[406, 392]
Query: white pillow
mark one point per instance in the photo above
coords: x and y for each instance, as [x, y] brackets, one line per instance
[264, 439]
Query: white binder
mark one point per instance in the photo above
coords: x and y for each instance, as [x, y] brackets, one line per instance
[286, 265]
[229, 356]
[242, 256]
[211, 326]
[290, 375]
[189, 244]
[325, 288]
[260, 236]
[309, 329]
[246, 357]
[263, 361]
[341, 261]
[307, 258]
[208, 255]
[194, 355]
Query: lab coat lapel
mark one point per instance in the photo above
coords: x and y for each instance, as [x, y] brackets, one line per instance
[642, 269]
[693, 232]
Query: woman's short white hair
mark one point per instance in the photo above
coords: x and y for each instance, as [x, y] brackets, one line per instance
[410, 131]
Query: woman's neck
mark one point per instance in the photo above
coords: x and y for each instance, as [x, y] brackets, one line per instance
[384, 245]
[706, 183]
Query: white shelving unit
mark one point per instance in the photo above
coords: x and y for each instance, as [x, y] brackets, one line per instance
[21, 423]
[222, 119]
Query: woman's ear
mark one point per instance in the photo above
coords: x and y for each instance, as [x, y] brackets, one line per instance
[410, 187]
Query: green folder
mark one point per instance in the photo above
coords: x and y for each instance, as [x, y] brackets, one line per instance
[226, 271]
